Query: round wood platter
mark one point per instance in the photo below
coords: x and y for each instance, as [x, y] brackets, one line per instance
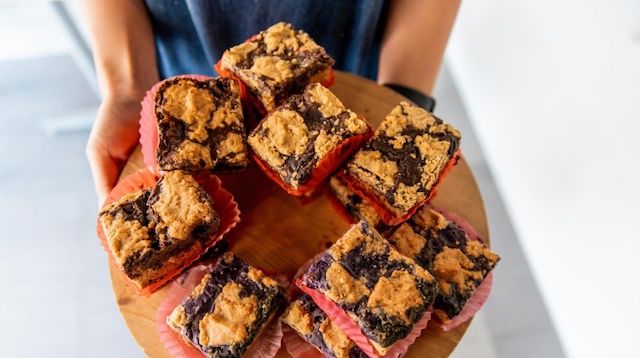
[279, 233]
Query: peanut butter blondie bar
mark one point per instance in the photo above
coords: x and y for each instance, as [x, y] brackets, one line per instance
[200, 125]
[276, 63]
[384, 292]
[228, 309]
[313, 325]
[459, 263]
[398, 169]
[307, 138]
[152, 231]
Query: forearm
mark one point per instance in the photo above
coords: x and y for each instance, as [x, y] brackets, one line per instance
[123, 48]
[414, 41]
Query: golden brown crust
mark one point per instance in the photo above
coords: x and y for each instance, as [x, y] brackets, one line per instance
[453, 266]
[298, 318]
[343, 287]
[336, 339]
[231, 316]
[407, 241]
[395, 295]
[403, 161]
[194, 119]
[294, 138]
[276, 62]
[180, 206]
[356, 237]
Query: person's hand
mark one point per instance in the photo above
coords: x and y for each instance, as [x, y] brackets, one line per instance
[113, 137]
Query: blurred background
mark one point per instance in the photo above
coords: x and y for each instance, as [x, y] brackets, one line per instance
[547, 94]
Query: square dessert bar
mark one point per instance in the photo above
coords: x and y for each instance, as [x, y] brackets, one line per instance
[276, 63]
[459, 263]
[313, 325]
[200, 125]
[307, 138]
[353, 206]
[228, 309]
[151, 232]
[384, 292]
[397, 170]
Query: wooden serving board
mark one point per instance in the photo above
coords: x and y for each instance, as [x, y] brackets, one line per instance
[278, 233]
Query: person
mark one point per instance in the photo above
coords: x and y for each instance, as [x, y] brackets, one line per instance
[137, 43]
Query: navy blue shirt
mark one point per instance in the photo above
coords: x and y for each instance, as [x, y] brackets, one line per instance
[191, 35]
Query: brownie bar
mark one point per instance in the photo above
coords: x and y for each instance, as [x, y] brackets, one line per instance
[294, 138]
[354, 206]
[150, 232]
[277, 62]
[313, 325]
[384, 292]
[228, 309]
[200, 125]
[403, 161]
[442, 247]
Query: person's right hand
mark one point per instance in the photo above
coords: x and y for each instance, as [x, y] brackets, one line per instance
[112, 139]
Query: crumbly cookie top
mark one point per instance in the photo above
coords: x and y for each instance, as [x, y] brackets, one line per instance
[297, 135]
[404, 159]
[124, 224]
[200, 124]
[378, 287]
[458, 262]
[228, 308]
[231, 316]
[145, 228]
[298, 318]
[309, 321]
[182, 205]
[275, 61]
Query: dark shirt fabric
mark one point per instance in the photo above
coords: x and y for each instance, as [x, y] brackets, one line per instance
[191, 35]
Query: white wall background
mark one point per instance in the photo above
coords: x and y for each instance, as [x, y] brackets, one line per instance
[553, 90]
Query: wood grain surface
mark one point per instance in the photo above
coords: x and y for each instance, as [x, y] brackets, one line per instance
[278, 233]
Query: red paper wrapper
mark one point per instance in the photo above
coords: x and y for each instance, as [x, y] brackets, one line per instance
[296, 346]
[223, 203]
[352, 330]
[388, 217]
[149, 124]
[327, 165]
[480, 295]
[265, 346]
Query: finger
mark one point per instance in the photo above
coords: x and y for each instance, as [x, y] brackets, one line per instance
[105, 171]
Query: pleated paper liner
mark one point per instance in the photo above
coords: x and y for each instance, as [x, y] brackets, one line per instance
[325, 166]
[223, 203]
[481, 293]
[388, 217]
[149, 124]
[266, 344]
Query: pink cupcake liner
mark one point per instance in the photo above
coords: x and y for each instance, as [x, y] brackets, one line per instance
[481, 294]
[223, 203]
[296, 346]
[265, 346]
[149, 124]
[351, 329]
